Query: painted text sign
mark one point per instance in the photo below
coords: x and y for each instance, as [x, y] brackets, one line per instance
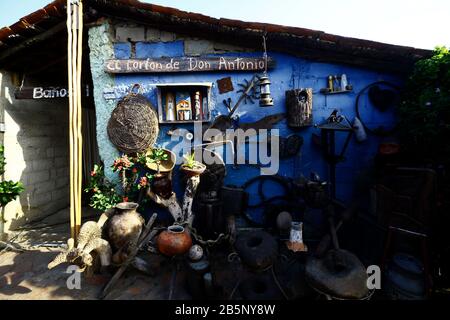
[45, 92]
[187, 64]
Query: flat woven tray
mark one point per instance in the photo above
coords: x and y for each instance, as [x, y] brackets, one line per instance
[133, 126]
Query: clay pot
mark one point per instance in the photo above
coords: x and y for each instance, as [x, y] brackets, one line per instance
[165, 166]
[197, 170]
[174, 241]
[124, 227]
[162, 185]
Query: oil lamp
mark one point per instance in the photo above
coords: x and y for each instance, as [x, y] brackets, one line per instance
[265, 99]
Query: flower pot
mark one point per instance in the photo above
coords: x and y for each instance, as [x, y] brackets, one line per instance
[162, 185]
[164, 166]
[197, 170]
[174, 241]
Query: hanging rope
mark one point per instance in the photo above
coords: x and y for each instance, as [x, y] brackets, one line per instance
[74, 58]
[265, 52]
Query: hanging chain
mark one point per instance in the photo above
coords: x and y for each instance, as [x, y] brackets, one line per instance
[209, 243]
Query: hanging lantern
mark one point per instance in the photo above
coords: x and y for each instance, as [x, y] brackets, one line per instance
[265, 99]
[264, 83]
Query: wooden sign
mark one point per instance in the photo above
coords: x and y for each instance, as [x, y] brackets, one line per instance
[187, 64]
[45, 92]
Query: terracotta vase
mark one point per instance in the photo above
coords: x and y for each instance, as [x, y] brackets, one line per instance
[174, 241]
[162, 185]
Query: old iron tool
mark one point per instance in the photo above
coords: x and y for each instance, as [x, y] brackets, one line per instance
[224, 122]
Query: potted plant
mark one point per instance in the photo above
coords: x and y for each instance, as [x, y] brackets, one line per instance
[191, 167]
[9, 190]
[103, 192]
[163, 159]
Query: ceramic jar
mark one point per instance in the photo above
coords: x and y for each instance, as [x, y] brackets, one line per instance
[173, 241]
[162, 185]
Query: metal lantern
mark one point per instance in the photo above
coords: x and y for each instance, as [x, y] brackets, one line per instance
[264, 83]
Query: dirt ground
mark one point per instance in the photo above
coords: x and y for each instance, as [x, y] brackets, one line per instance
[24, 274]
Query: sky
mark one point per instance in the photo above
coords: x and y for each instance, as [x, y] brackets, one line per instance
[415, 23]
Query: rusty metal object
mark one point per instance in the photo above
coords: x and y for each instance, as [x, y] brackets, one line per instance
[257, 249]
[174, 241]
[266, 122]
[225, 85]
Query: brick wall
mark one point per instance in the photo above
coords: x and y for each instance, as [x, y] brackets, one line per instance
[37, 154]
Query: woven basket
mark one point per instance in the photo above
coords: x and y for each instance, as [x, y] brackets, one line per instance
[133, 126]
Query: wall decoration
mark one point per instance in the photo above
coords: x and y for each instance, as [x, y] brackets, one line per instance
[183, 106]
[253, 94]
[225, 85]
[188, 64]
[299, 107]
[190, 102]
[46, 92]
[197, 107]
[265, 99]
[337, 84]
[133, 126]
[170, 106]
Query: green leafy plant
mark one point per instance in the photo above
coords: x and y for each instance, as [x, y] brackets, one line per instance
[122, 163]
[157, 155]
[9, 190]
[424, 125]
[2, 159]
[104, 195]
[189, 160]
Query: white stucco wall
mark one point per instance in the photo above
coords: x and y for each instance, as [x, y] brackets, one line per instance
[37, 154]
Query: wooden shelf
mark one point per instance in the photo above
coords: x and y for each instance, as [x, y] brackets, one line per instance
[326, 92]
[190, 87]
[183, 121]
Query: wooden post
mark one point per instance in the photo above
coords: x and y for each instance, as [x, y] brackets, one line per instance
[179, 214]
[74, 54]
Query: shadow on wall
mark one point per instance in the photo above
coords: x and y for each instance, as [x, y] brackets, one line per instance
[37, 154]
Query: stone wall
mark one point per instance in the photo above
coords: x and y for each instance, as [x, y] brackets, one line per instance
[132, 34]
[37, 153]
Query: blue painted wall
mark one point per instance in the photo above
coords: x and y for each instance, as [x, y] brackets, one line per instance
[290, 72]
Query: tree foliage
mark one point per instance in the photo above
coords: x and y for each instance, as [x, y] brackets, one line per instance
[425, 109]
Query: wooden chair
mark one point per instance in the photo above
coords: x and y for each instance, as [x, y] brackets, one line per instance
[405, 204]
